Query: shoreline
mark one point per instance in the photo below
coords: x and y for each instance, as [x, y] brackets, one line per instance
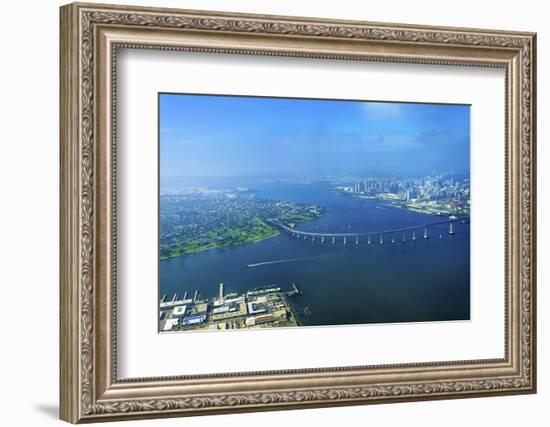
[422, 212]
[261, 238]
[221, 247]
[276, 232]
[391, 204]
[293, 311]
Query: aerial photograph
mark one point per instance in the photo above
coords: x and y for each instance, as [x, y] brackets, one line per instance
[284, 212]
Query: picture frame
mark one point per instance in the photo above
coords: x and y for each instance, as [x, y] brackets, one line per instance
[91, 37]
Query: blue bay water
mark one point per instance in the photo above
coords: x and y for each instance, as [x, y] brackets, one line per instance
[422, 280]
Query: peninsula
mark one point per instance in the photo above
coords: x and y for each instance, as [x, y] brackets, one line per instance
[199, 219]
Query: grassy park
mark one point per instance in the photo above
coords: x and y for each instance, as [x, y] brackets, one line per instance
[249, 231]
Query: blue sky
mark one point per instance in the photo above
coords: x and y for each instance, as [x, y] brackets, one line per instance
[207, 136]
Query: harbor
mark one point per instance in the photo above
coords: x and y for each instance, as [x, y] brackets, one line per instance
[256, 308]
[342, 283]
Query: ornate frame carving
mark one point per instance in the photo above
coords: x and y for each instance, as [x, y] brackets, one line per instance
[90, 36]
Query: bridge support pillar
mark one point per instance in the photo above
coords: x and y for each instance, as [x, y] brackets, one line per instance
[451, 231]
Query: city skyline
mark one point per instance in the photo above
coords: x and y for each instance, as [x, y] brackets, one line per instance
[304, 137]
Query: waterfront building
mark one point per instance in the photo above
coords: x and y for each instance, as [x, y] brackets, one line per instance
[264, 307]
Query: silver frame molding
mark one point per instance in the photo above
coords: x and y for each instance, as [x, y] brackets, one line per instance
[90, 37]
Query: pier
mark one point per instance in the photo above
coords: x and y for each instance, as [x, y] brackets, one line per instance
[294, 291]
[259, 307]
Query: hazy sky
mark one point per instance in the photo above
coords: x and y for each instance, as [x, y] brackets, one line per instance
[242, 136]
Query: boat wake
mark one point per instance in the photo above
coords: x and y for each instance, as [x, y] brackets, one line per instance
[284, 261]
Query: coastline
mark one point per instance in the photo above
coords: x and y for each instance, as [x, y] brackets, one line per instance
[276, 233]
[293, 312]
[392, 204]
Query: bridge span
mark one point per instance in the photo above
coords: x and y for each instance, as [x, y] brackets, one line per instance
[403, 234]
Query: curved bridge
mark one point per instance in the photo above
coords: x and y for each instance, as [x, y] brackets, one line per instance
[406, 233]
